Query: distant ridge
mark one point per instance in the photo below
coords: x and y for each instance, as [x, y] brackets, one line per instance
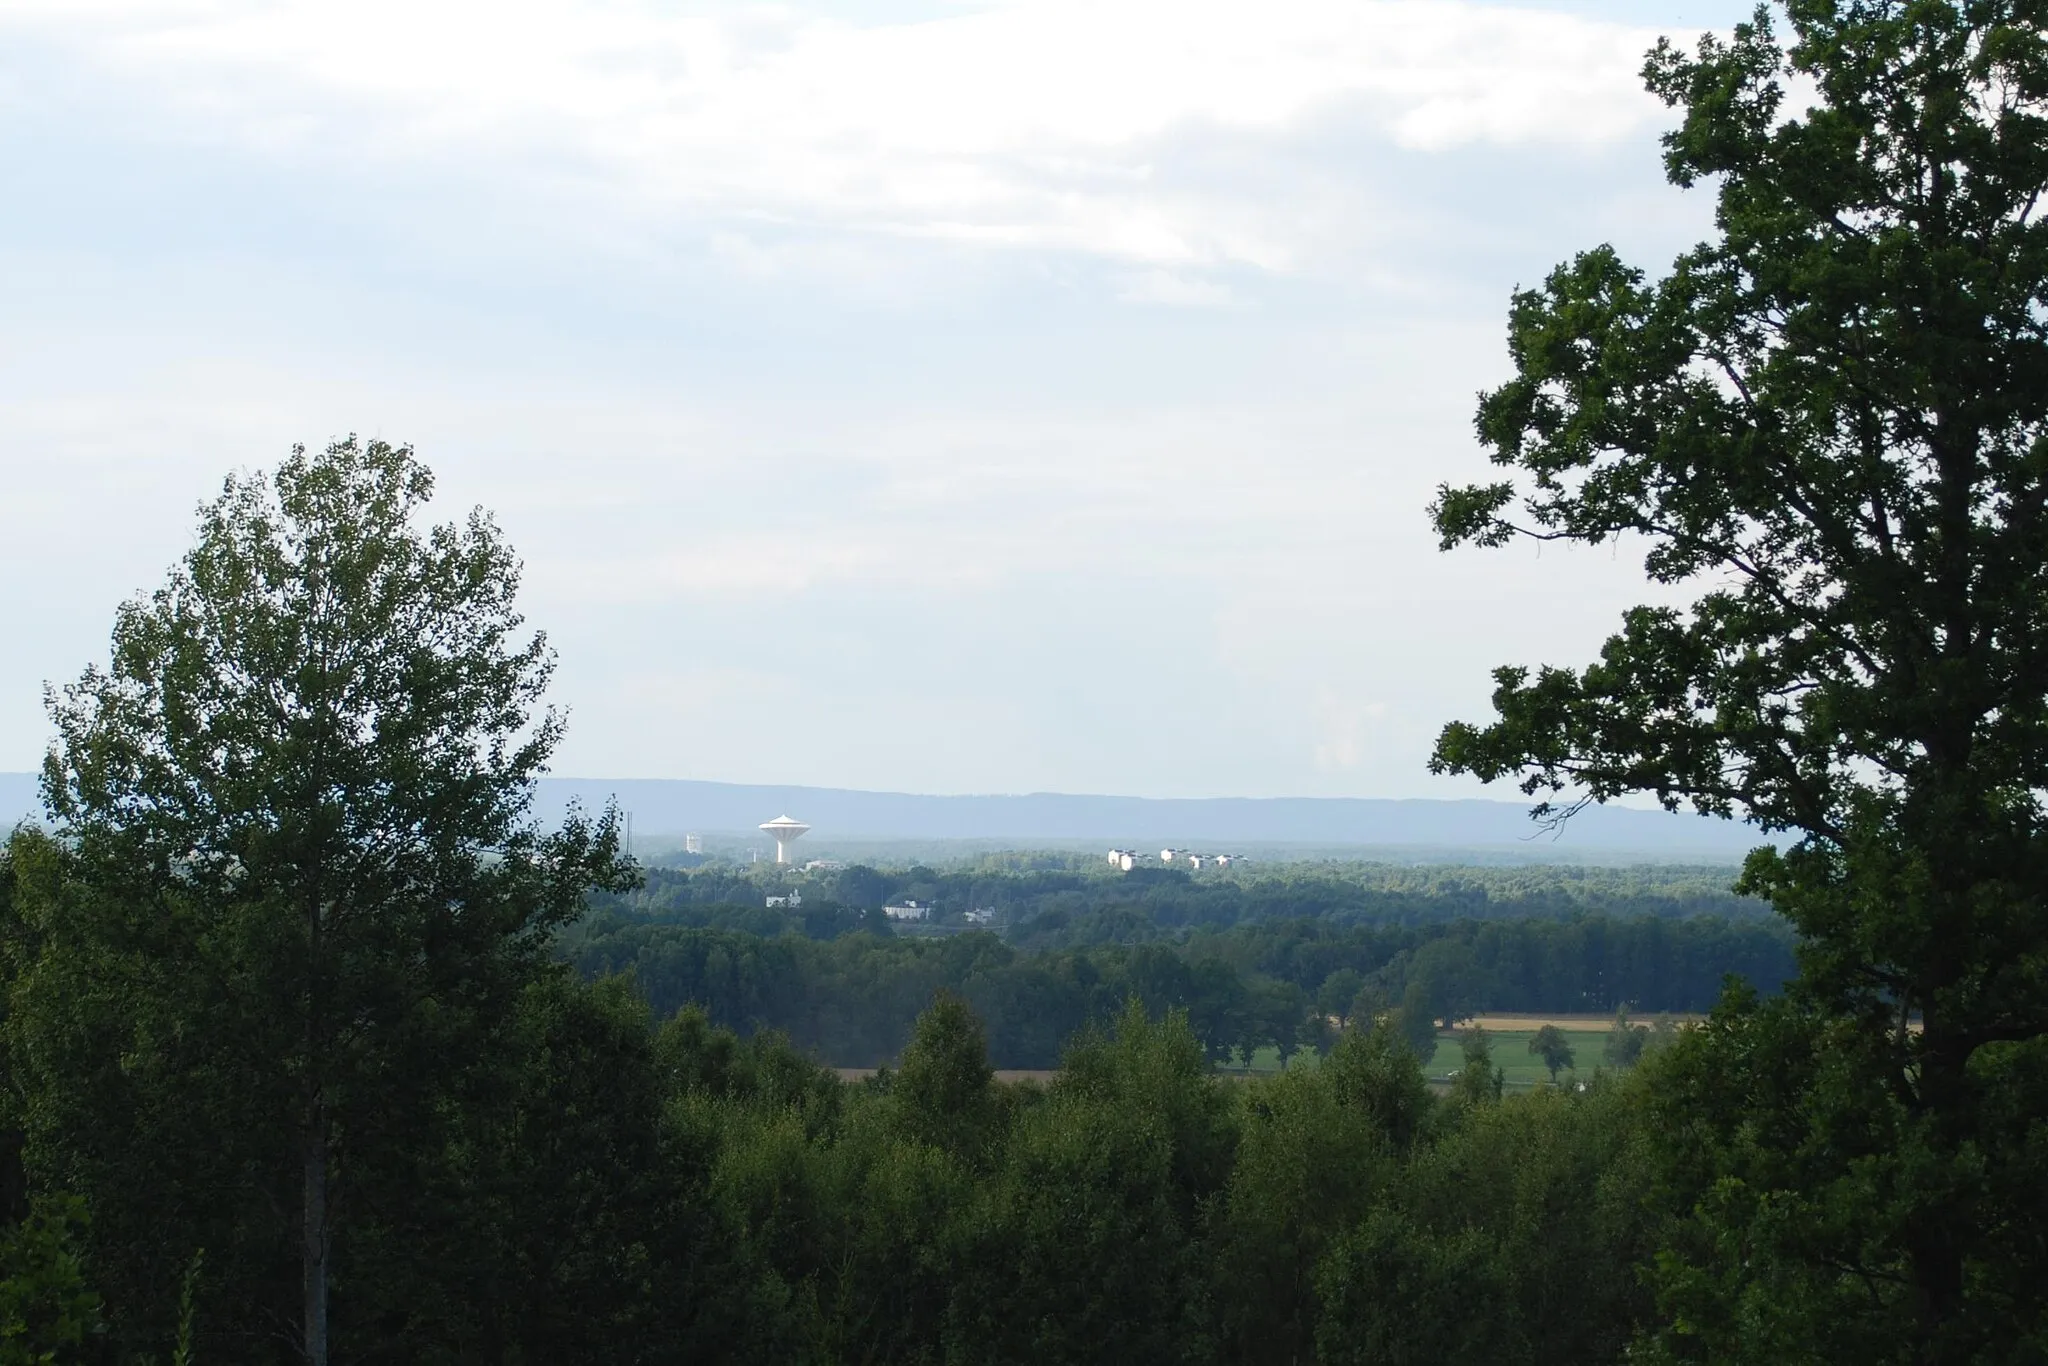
[662, 806]
[675, 806]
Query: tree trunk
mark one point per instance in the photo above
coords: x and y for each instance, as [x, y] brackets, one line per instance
[315, 1240]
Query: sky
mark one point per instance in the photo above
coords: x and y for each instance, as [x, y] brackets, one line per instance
[1039, 395]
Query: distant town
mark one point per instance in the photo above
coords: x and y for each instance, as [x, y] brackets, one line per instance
[1127, 859]
[786, 831]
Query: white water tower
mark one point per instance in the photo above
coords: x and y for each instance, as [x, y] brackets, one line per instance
[786, 833]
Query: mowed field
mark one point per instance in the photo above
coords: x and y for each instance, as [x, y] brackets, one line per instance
[1511, 1054]
[1508, 1037]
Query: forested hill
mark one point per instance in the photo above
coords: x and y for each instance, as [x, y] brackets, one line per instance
[671, 807]
[1275, 961]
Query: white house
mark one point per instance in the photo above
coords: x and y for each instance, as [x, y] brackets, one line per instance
[981, 915]
[909, 910]
[792, 901]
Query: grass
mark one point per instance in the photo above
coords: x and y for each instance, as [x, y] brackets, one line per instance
[1512, 1056]
[1523, 1069]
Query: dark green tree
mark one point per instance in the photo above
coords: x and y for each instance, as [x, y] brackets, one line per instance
[1828, 426]
[1309, 1166]
[1375, 1071]
[1550, 1044]
[1625, 1040]
[47, 1311]
[943, 1088]
[1282, 1009]
[1339, 994]
[1416, 1020]
[1447, 972]
[1089, 1249]
[1395, 1291]
[303, 878]
[1369, 1007]
[1479, 1081]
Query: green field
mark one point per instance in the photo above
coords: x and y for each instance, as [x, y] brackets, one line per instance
[1510, 1053]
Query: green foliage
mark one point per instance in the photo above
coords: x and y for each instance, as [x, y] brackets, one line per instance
[188, 1311]
[944, 1086]
[605, 1191]
[1625, 1041]
[1399, 1294]
[1080, 908]
[1340, 993]
[1271, 984]
[1088, 1252]
[1550, 1044]
[294, 891]
[1375, 1071]
[1518, 1069]
[47, 1310]
[1827, 426]
[1479, 1082]
[1416, 1019]
[1308, 1168]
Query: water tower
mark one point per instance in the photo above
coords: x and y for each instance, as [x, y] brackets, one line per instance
[786, 833]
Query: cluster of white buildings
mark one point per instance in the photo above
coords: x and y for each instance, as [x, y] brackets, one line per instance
[914, 909]
[788, 831]
[1128, 859]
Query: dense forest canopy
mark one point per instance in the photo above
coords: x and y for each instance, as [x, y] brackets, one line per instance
[1165, 899]
[1280, 960]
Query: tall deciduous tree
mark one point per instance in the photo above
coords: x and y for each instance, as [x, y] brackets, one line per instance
[944, 1085]
[307, 774]
[1625, 1040]
[1830, 424]
[1479, 1081]
[1550, 1044]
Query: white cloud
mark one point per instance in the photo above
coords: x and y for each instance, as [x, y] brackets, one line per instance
[1042, 395]
[1045, 124]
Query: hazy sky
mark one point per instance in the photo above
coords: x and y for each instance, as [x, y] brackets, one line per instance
[906, 394]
